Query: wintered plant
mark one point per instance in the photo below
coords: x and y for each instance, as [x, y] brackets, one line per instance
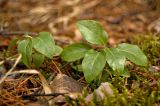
[35, 50]
[95, 60]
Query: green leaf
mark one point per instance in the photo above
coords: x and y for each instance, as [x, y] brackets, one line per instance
[45, 44]
[77, 67]
[25, 48]
[74, 52]
[125, 73]
[133, 53]
[12, 44]
[93, 64]
[92, 31]
[38, 59]
[58, 50]
[115, 59]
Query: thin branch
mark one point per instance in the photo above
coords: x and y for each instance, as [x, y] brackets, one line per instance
[51, 94]
[17, 33]
[9, 58]
[5, 76]
[59, 71]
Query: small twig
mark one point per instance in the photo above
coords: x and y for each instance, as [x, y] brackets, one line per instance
[51, 94]
[17, 33]
[57, 67]
[143, 74]
[81, 79]
[64, 65]
[9, 58]
[5, 76]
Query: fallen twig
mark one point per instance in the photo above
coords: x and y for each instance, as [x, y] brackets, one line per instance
[5, 76]
[51, 94]
[17, 33]
[9, 58]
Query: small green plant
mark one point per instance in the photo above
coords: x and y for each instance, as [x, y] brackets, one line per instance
[94, 61]
[34, 50]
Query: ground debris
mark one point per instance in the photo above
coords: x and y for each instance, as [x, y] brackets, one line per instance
[64, 84]
[100, 92]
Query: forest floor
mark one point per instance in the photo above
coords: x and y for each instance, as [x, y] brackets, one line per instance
[122, 19]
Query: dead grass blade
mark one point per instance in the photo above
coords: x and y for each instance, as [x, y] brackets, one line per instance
[45, 84]
[16, 62]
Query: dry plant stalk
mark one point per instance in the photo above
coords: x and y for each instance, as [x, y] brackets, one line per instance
[16, 62]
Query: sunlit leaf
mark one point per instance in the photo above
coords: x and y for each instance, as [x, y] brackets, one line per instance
[93, 64]
[74, 52]
[133, 53]
[58, 50]
[115, 59]
[92, 31]
[45, 44]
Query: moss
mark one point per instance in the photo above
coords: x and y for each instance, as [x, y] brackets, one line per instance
[150, 44]
[136, 96]
[142, 88]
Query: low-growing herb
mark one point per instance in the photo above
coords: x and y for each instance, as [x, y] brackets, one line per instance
[34, 50]
[94, 61]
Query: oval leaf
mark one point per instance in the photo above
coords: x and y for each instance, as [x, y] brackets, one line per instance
[58, 50]
[25, 48]
[38, 59]
[93, 64]
[133, 53]
[92, 31]
[115, 59]
[44, 44]
[74, 52]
